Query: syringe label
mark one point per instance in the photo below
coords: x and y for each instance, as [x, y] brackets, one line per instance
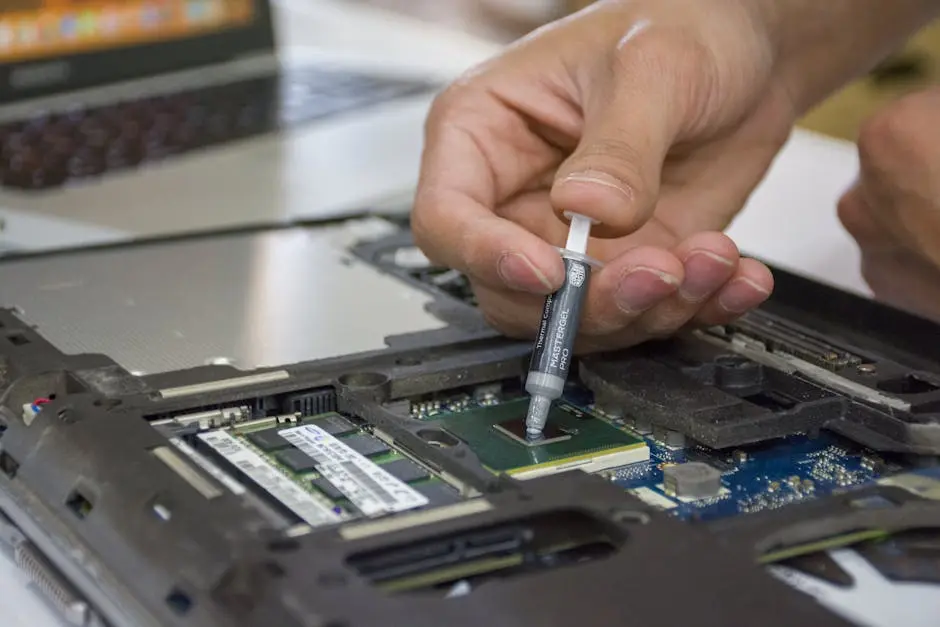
[560, 319]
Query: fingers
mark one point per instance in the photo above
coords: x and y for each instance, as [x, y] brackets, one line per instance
[456, 232]
[893, 211]
[477, 152]
[749, 286]
[514, 314]
[628, 287]
[617, 296]
[856, 216]
[614, 174]
[708, 262]
[905, 280]
[650, 292]
[900, 167]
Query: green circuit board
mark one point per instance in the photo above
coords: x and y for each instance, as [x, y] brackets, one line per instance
[577, 438]
[268, 455]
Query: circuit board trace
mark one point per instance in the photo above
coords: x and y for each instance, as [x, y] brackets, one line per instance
[753, 479]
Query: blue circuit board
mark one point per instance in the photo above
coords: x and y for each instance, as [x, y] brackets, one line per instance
[754, 478]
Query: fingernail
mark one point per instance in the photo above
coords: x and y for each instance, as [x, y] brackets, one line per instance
[740, 295]
[594, 177]
[518, 273]
[705, 272]
[641, 288]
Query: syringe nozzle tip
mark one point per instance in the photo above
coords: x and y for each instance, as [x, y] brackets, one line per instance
[537, 415]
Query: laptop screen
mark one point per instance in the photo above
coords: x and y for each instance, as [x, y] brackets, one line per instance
[37, 29]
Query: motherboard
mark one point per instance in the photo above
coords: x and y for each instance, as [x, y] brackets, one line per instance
[730, 482]
[397, 487]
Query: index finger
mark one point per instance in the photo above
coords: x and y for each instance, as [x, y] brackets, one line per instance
[478, 152]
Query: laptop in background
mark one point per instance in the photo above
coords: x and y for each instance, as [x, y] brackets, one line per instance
[157, 117]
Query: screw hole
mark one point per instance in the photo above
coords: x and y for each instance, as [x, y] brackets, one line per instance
[8, 465]
[179, 602]
[17, 339]
[79, 504]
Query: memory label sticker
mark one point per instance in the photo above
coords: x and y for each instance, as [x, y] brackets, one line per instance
[269, 478]
[370, 488]
[208, 466]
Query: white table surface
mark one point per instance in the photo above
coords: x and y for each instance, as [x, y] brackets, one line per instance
[790, 221]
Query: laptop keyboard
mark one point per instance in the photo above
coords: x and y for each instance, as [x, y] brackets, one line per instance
[50, 151]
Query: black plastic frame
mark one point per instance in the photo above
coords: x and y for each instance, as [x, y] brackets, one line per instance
[227, 565]
[97, 68]
[233, 569]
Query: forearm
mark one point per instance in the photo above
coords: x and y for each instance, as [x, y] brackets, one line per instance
[823, 44]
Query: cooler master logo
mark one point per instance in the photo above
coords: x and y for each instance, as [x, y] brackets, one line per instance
[576, 275]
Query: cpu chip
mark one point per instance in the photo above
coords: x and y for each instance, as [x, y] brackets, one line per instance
[583, 440]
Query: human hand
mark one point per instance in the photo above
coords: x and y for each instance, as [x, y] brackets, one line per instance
[893, 211]
[657, 118]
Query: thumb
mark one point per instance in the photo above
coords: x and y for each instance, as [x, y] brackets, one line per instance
[614, 174]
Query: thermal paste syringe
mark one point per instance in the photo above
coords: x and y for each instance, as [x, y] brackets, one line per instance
[554, 345]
